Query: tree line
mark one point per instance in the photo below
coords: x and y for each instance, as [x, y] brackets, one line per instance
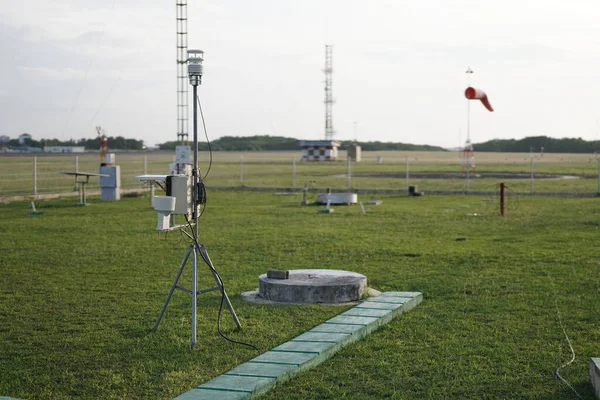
[280, 143]
[114, 143]
[539, 144]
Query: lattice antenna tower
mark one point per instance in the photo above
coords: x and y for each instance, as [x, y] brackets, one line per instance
[328, 93]
[182, 75]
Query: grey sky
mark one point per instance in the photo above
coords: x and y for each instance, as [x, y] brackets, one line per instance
[399, 68]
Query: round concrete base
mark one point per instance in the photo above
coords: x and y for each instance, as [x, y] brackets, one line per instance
[253, 296]
[310, 286]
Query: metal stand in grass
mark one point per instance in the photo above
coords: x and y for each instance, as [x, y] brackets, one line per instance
[194, 250]
[198, 195]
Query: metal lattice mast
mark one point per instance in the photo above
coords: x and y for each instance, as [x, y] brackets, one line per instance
[182, 76]
[328, 93]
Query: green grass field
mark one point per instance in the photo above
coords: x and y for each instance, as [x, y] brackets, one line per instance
[80, 288]
[276, 169]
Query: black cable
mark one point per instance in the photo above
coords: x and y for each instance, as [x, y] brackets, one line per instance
[201, 193]
[221, 308]
[210, 155]
[175, 243]
[201, 198]
[222, 289]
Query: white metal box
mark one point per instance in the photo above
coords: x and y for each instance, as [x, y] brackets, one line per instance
[110, 193]
[109, 158]
[183, 155]
[114, 176]
[180, 187]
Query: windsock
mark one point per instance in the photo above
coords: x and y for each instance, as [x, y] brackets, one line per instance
[476, 94]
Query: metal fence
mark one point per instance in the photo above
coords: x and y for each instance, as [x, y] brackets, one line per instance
[39, 175]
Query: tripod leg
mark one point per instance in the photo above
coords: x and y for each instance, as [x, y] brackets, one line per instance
[228, 304]
[194, 292]
[220, 285]
[164, 307]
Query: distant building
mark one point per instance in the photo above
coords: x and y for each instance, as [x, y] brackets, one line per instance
[319, 150]
[64, 149]
[26, 149]
[23, 138]
[3, 143]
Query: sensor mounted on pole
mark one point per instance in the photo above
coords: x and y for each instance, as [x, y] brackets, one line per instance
[195, 58]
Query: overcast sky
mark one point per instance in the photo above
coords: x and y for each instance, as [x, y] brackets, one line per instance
[399, 68]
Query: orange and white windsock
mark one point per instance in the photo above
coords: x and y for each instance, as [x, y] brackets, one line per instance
[477, 94]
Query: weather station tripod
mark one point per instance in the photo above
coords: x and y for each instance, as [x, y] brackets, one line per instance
[196, 249]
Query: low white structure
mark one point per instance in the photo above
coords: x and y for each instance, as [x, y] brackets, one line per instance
[337, 198]
[110, 183]
[64, 149]
[355, 153]
[23, 138]
[319, 150]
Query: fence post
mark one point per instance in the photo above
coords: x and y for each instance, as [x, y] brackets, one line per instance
[35, 175]
[406, 172]
[151, 183]
[599, 176]
[294, 172]
[241, 171]
[349, 172]
[502, 198]
[531, 172]
[76, 163]
[468, 174]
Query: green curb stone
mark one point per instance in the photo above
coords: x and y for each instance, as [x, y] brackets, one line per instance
[261, 369]
[320, 337]
[211, 394]
[283, 357]
[365, 312]
[380, 306]
[595, 375]
[303, 347]
[412, 303]
[352, 320]
[395, 300]
[305, 351]
[236, 383]
[336, 328]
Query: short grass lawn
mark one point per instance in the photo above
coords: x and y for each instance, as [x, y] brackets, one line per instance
[81, 287]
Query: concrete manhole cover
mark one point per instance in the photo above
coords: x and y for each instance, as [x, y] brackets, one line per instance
[312, 286]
